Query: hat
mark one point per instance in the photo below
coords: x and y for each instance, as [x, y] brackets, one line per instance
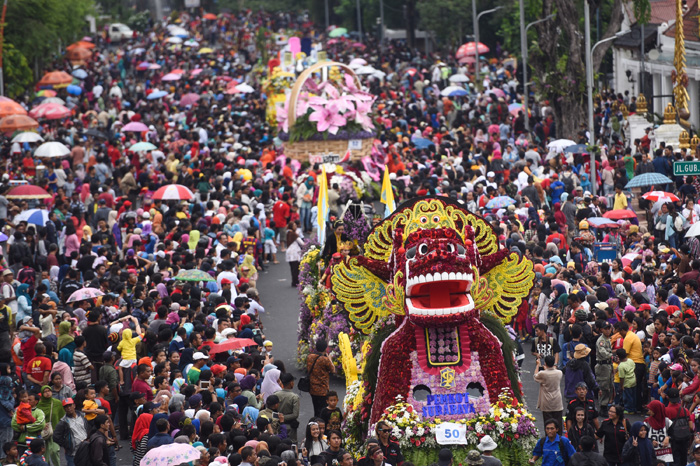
[696, 447]
[195, 400]
[474, 458]
[619, 281]
[226, 281]
[267, 343]
[676, 367]
[6, 272]
[490, 175]
[228, 331]
[581, 351]
[601, 306]
[444, 457]
[487, 444]
[628, 269]
[581, 314]
[198, 356]
[136, 395]
[68, 401]
[217, 369]
[232, 360]
[674, 396]
[687, 302]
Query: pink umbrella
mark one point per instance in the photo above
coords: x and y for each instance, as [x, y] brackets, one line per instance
[136, 127]
[469, 49]
[333, 41]
[497, 91]
[189, 99]
[171, 77]
[411, 71]
[232, 344]
[84, 294]
[175, 192]
[144, 65]
[196, 71]
[50, 111]
[232, 90]
[154, 66]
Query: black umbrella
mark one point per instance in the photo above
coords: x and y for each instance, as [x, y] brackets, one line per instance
[95, 133]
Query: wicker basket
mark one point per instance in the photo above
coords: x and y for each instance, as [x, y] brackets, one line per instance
[306, 150]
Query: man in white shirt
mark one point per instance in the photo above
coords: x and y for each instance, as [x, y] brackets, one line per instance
[8, 291]
[227, 273]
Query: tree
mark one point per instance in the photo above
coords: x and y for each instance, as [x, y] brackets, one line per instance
[16, 71]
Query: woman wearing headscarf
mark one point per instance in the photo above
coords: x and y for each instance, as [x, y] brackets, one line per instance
[658, 429]
[65, 336]
[177, 421]
[53, 412]
[61, 367]
[7, 406]
[139, 437]
[638, 450]
[271, 383]
[248, 386]
[193, 240]
[24, 302]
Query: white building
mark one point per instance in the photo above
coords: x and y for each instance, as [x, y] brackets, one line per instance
[658, 62]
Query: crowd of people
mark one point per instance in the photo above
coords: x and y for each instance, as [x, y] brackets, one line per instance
[141, 366]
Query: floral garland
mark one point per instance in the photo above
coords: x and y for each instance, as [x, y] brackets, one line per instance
[356, 228]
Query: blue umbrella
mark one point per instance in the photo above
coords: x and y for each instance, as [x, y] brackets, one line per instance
[648, 179]
[156, 95]
[74, 90]
[422, 143]
[35, 216]
[500, 202]
[458, 93]
[577, 149]
[79, 73]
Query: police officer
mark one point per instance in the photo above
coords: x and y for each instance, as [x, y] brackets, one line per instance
[582, 401]
[604, 368]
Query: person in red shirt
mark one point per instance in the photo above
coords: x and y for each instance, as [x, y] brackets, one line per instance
[29, 336]
[280, 215]
[39, 367]
[143, 373]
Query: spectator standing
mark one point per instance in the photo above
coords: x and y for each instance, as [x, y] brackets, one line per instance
[587, 456]
[320, 368]
[487, 446]
[658, 431]
[681, 428]
[289, 405]
[391, 449]
[603, 367]
[53, 412]
[549, 400]
[71, 430]
[638, 450]
[553, 449]
[628, 383]
[614, 432]
[577, 370]
[99, 443]
[633, 346]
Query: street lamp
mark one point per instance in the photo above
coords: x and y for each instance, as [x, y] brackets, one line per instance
[523, 52]
[476, 36]
[589, 84]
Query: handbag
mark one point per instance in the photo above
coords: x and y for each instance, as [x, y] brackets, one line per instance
[305, 382]
[47, 431]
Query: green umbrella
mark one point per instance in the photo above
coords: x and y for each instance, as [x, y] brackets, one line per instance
[337, 32]
[142, 147]
[194, 275]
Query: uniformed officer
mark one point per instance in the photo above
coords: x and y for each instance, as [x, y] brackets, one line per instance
[604, 368]
[582, 401]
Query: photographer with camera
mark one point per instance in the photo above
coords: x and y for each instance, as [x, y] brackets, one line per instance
[549, 400]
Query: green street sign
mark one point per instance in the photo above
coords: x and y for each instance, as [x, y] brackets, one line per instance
[686, 168]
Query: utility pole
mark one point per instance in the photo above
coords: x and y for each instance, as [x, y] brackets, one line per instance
[328, 24]
[2, 46]
[381, 31]
[359, 19]
[475, 20]
[589, 85]
[523, 54]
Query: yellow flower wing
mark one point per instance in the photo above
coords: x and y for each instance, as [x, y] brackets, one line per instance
[502, 289]
[365, 296]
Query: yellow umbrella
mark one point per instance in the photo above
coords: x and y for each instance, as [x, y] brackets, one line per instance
[206, 50]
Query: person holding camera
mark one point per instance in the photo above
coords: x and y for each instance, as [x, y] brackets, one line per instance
[549, 400]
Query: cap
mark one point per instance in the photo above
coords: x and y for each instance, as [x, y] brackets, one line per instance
[6, 272]
[226, 281]
[198, 356]
[488, 175]
[68, 401]
[232, 360]
[228, 331]
[687, 302]
[267, 343]
[136, 395]
[674, 396]
[195, 400]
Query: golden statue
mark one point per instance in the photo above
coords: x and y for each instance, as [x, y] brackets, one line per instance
[684, 140]
[679, 77]
[669, 114]
[642, 105]
[694, 142]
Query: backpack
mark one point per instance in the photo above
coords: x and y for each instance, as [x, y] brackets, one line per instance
[81, 456]
[568, 182]
[562, 450]
[678, 223]
[680, 428]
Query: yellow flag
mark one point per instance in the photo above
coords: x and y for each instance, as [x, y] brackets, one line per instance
[323, 208]
[387, 194]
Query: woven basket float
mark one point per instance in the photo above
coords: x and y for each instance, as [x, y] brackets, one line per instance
[304, 150]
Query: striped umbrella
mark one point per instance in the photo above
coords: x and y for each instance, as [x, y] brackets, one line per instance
[663, 196]
[35, 216]
[85, 294]
[174, 192]
[648, 179]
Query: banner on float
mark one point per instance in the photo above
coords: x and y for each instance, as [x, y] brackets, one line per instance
[323, 158]
[451, 433]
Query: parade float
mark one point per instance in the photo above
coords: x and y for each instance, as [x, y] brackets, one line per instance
[430, 294]
[275, 87]
[327, 113]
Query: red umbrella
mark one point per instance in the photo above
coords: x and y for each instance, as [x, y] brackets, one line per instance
[232, 344]
[468, 49]
[620, 214]
[50, 111]
[173, 192]
[655, 196]
[28, 191]
[189, 99]
[209, 16]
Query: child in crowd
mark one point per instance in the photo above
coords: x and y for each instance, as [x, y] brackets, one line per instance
[331, 414]
[24, 410]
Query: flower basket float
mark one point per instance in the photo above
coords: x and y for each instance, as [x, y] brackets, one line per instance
[331, 117]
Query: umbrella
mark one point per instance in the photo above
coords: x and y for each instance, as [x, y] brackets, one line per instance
[231, 344]
[142, 147]
[74, 90]
[194, 275]
[34, 216]
[337, 32]
[55, 78]
[245, 88]
[50, 111]
[620, 214]
[694, 230]
[41, 93]
[85, 293]
[83, 44]
[209, 16]
[171, 77]
[459, 78]
[78, 54]
[171, 455]
[648, 179]
[143, 65]
[662, 196]
[449, 89]
[191, 43]
[602, 222]
[10, 107]
[174, 40]
[154, 66]
[560, 144]
[422, 143]
[13, 123]
[500, 202]
[28, 191]
[52, 149]
[498, 92]
[53, 100]
[206, 50]
[189, 99]
[92, 132]
[179, 31]
[176, 192]
[469, 49]
[135, 126]
[80, 73]
[458, 93]
[365, 70]
[28, 136]
[411, 71]
[577, 149]
[627, 259]
[157, 95]
[357, 62]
